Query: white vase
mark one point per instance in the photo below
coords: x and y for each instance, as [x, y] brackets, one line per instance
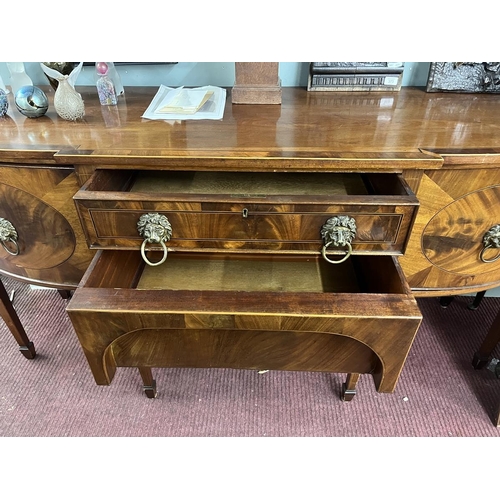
[18, 76]
[67, 101]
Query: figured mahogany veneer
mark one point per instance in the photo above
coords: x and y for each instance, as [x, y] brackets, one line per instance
[37, 201]
[247, 211]
[252, 312]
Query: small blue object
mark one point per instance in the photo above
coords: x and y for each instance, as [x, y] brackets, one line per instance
[31, 101]
[4, 103]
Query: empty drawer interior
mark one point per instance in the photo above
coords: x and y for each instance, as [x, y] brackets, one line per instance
[249, 273]
[247, 184]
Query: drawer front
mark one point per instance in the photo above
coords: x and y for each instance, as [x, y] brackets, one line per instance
[247, 312]
[285, 220]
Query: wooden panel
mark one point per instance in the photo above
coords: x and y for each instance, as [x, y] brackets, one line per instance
[38, 202]
[457, 208]
[243, 349]
[338, 131]
[256, 83]
[287, 231]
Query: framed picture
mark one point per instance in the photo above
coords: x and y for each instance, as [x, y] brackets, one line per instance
[464, 77]
[355, 76]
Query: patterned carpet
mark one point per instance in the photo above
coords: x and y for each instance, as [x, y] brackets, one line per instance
[438, 394]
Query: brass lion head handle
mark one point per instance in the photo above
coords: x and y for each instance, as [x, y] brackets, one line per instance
[155, 229]
[491, 239]
[8, 234]
[338, 231]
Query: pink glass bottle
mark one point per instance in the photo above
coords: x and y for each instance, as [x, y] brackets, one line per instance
[105, 87]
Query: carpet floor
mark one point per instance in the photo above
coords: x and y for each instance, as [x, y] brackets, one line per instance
[438, 393]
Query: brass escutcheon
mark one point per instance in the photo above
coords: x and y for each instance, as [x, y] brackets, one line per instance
[8, 233]
[338, 231]
[491, 239]
[155, 229]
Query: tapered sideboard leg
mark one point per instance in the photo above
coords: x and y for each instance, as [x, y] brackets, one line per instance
[482, 355]
[148, 381]
[349, 386]
[13, 323]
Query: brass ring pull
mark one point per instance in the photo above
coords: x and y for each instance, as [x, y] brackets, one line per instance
[155, 229]
[338, 231]
[7, 249]
[8, 233]
[346, 256]
[147, 261]
[491, 239]
[487, 261]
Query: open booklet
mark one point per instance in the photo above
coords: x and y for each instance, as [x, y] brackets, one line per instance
[200, 103]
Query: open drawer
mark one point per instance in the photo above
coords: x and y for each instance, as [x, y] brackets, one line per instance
[246, 212]
[272, 312]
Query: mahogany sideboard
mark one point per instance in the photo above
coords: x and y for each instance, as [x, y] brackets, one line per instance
[247, 283]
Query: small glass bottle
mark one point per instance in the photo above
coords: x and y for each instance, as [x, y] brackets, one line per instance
[4, 103]
[105, 87]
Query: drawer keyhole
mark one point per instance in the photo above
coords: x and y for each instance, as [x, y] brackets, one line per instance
[244, 213]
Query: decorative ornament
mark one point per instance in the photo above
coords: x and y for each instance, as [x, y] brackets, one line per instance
[65, 68]
[4, 103]
[67, 101]
[31, 101]
[105, 86]
[18, 76]
[2, 86]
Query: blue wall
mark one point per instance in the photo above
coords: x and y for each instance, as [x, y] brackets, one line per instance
[192, 74]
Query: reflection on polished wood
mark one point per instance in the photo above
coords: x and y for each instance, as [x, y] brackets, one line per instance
[313, 130]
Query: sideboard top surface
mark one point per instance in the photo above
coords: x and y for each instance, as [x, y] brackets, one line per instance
[411, 126]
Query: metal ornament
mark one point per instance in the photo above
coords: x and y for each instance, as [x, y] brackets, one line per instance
[8, 233]
[464, 77]
[4, 103]
[491, 239]
[31, 101]
[338, 231]
[155, 229]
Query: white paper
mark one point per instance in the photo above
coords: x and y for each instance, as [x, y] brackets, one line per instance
[213, 109]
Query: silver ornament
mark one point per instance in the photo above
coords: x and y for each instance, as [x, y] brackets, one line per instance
[4, 103]
[31, 101]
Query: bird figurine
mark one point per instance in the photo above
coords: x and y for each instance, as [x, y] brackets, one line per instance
[67, 101]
